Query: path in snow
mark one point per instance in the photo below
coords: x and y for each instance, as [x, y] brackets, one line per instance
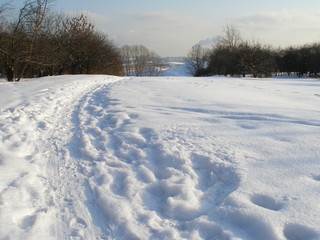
[135, 185]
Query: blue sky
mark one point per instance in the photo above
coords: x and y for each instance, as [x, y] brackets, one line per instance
[172, 27]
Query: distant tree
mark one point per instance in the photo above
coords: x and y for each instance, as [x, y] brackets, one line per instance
[256, 59]
[224, 60]
[296, 60]
[224, 57]
[231, 37]
[127, 60]
[196, 60]
[314, 59]
[233, 56]
[140, 61]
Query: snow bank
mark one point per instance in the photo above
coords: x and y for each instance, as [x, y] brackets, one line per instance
[98, 157]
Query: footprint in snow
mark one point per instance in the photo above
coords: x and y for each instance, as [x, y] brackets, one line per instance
[79, 222]
[77, 226]
[247, 126]
[267, 202]
[147, 133]
[205, 169]
[42, 125]
[298, 231]
[316, 178]
[27, 221]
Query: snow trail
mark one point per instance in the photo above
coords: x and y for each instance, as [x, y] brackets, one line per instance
[77, 215]
[32, 158]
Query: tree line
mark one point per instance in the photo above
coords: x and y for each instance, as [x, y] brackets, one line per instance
[231, 55]
[38, 42]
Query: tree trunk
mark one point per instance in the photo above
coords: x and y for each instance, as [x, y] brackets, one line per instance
[10, 75]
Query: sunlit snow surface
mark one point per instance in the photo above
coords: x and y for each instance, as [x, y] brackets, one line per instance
[101, 157]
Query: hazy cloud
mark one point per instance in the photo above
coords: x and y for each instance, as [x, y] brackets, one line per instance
[93, 17]
[161, 30]
[168, 33]
[283, 19]
[163, 17]
[209, 42]
[284, 27]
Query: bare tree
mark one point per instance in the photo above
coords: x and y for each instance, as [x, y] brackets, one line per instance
[231, 37]
[126, 57]
[18, 39]
[224, 57]
[37, 12]
[4, 6]
[155, 65]
[196, 60]
[85, 50]
[139, 61]
[48, 53]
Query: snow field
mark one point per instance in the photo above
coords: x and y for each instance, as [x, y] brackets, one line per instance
[98, 157]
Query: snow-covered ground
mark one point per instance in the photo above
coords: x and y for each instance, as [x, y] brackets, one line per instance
[101, 157]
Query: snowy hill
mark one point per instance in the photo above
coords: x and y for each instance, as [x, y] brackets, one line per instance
[101, 157]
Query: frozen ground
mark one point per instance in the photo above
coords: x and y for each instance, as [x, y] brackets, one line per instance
[100, 157]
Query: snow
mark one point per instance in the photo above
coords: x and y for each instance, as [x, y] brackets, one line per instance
[179, 70]
[103, 157]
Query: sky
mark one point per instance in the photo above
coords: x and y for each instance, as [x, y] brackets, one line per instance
[172, 27]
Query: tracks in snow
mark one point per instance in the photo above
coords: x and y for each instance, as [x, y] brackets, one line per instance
[67, 163]
[32, 135]
[125, 181]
